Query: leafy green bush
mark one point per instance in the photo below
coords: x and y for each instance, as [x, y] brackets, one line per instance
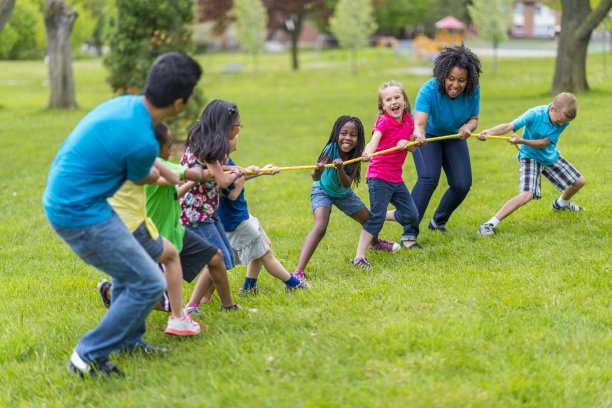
[141, 31]
[18, 38]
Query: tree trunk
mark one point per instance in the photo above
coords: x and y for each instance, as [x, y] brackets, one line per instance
[577, 24]
[295, 36]
[59, 20]
[6, 8]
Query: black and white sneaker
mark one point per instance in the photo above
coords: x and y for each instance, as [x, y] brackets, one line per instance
[570, 207]
[100, 369]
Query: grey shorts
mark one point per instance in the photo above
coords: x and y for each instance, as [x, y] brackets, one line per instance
[561, 174]
[350, 203]
[248, 241]
[154, 247]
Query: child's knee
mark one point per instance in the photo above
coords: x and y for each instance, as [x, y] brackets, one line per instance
[406, 218]
[320, 230]
[217, 260]
[580, 182]
[525, 197]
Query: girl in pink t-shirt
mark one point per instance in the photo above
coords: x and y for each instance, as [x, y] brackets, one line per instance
[393, 127]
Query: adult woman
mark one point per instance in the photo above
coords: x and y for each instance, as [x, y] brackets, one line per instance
[445, 105]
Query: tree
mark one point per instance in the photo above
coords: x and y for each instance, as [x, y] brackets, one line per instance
[290, 16]
[251, 21]
[217, 11]
[578, 21]
[6, 8]
[141, 31]
[492, 19]
[393, 17]
[353, 23]
[59, 20]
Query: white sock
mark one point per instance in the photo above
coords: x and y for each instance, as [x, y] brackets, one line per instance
[494, 221]
[562, 202]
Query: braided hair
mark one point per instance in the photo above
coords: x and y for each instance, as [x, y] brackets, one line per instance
[352, 168]
[461, 57]
[208, 137]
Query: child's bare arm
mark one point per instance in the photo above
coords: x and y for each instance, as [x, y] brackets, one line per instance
[371, 147]
[500, 129]
[184, 188]
[225, 180]
[235, 192]
[171, 176]
[197, 174]
[318, 171]
[343, 178]
[537, 144]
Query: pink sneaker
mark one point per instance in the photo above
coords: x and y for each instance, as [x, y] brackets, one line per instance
[387, 246]
[299, 274]
[182, 326]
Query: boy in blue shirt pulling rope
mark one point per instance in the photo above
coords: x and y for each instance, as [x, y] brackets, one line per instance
[539, 155]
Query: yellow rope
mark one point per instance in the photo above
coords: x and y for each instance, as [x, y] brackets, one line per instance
[432, 139]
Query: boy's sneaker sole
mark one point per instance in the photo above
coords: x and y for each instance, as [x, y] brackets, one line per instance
[103, 286]
[94, 370]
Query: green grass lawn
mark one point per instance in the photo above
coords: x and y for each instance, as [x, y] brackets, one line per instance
[523, 318]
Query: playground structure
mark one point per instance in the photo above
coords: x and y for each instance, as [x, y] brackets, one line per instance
[449, 32]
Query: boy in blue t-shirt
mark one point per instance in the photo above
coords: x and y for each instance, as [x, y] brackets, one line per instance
[539, 155]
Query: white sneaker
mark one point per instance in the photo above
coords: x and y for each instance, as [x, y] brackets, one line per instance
[194, 310]
[486, 229]
[182, 326]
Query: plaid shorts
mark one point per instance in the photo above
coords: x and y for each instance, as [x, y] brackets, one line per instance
[561, 174]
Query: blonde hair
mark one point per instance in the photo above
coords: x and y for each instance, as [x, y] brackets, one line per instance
[381, 111]
[567, 104]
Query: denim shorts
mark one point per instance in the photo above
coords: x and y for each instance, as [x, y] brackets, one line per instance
[212, 231]
[350, 203]
[154, 247]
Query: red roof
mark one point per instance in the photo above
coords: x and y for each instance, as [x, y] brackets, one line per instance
[450, 22]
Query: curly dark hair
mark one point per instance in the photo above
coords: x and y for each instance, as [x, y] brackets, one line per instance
[208, 137]
[353, 168]
[461, 57]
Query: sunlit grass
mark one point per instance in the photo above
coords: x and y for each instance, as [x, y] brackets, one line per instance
[520, 319]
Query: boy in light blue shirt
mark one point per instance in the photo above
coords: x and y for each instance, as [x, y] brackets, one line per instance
[539, 155]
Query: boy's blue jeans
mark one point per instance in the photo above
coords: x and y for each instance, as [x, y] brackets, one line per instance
[454, 157]
[137, 284]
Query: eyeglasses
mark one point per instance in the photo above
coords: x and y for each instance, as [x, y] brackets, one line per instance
[239, 124]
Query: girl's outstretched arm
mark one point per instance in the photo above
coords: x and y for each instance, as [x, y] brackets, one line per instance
[225, 180]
